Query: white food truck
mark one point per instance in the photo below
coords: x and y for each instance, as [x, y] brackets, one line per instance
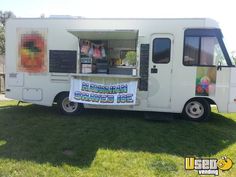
[161, 65]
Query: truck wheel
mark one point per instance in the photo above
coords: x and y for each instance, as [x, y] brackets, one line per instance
[196, 109]
[66, 106]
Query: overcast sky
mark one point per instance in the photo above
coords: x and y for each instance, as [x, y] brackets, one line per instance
[222, 11]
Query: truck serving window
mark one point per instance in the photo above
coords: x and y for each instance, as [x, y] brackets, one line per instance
[107, 51]
[161, 50]
[204, 48]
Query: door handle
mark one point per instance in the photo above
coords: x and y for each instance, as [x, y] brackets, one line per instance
[154, 69]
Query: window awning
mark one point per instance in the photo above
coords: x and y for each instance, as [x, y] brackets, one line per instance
[105, 35]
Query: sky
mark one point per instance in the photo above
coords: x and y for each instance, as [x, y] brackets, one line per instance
[223, 11]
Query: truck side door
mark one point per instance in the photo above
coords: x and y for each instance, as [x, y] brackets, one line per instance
[160, 71]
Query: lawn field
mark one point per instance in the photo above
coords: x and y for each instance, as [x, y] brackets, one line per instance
[37, 141]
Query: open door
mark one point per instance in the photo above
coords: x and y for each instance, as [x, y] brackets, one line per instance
[160, 71]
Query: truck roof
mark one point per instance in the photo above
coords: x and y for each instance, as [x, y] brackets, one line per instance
[207, 21]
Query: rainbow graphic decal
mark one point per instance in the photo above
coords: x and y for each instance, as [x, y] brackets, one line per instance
[205, 81]
[32, 50]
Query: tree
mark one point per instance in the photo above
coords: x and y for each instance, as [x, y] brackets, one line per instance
[2, 40]
[130, 57]
[233, 54]
[3, 18]
[5, 15]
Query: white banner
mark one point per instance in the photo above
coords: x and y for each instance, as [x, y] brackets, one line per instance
[87, 92]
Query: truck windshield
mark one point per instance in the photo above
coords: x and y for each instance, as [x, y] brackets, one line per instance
[231, 54]
[205, 47]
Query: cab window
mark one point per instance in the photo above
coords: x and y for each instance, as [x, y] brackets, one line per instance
[203, 51]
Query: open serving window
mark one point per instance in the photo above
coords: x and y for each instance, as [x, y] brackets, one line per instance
[107, 72]
[107, 51]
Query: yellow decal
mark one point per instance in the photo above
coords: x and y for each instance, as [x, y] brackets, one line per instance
[225, 163]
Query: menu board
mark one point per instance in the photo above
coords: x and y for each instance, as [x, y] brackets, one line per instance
[144, 63]
[62, 61]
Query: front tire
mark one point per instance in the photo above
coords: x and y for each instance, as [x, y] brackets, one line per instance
[197, 109]
[66, 106]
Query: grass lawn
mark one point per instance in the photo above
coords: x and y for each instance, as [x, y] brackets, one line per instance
[37, 141]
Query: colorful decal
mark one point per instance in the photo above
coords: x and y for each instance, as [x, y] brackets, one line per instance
[87, 92]
[205, 81]
[208, 166]
[32, 50]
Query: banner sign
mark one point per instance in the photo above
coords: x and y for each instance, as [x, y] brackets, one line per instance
[87, 92]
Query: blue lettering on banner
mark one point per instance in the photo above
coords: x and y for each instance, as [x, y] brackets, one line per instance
[85, 86]
[112, 94]
[83, 96]
[125, 98]
[114, 89]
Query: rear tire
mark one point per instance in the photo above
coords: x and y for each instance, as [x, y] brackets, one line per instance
[68, 107]
[197, 109]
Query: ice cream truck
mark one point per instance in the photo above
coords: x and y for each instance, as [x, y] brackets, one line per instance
[157, 65]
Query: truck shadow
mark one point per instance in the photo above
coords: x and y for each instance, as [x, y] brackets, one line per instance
[40, 134]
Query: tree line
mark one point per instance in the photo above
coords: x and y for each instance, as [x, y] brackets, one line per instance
[3, 18]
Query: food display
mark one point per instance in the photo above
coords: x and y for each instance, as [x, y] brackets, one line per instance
[107, 56]
[93, 57]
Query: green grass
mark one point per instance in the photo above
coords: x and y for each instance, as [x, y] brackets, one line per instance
[37, 141]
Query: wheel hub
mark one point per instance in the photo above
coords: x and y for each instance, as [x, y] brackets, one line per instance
[194, 109]
[69, 106]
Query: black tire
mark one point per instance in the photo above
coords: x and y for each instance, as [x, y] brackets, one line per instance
[197, 109]
[67, 107]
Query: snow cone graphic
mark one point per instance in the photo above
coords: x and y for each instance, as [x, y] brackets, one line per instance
[202, 87]
[32, 52]
[205, 81]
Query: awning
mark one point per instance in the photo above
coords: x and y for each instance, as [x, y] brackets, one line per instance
[105, 35]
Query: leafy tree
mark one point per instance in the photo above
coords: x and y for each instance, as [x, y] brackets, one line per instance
[3, 18]
[5, 15]
[2, 40]
[130, 57]
[233, 55]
